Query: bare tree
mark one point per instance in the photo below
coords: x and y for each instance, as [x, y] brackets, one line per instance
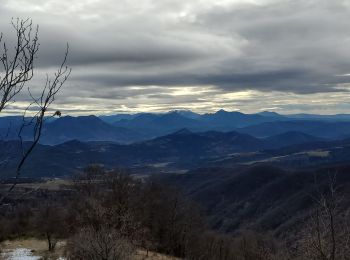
[103, 243]
[327, 236]
[17, 70]
[49, 221]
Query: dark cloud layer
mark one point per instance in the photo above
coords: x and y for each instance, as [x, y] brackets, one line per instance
[146, 52]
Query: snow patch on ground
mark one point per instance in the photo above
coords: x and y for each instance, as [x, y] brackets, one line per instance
[19, 254]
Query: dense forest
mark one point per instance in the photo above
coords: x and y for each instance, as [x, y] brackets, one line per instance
[109, 214]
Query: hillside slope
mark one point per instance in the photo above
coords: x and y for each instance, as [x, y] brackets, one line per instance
[260, 197]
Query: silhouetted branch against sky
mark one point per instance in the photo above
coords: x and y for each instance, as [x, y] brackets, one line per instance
[17, 71]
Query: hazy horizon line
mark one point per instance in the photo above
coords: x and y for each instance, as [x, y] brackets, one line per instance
[85, 113]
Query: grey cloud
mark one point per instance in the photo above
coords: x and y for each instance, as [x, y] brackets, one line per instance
[290, 46]
[309, 35]
[293, 80]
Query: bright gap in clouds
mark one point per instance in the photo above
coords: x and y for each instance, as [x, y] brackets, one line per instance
[201, 100]
[248, 55]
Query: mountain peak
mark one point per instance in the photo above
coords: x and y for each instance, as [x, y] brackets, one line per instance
[269, 113]
[179, 111]
[172, 113]
[224, 112]
[186, 113]
[183, 131]
[221, 111]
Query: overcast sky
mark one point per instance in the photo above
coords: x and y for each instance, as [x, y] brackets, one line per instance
[157, 55]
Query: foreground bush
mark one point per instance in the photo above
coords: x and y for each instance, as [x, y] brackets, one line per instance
[102, 244]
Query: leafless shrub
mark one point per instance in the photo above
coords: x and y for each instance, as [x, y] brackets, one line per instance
[101, 244]
[247, 245]
[49, 222]
[327, 232]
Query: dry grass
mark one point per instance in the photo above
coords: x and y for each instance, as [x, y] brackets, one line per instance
[318, 153]
[51, 185]
[142, 255]
[54, 184]
[38, 247]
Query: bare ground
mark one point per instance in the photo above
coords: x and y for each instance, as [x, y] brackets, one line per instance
[39, 248]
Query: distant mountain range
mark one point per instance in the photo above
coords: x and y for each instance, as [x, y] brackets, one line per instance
[82, 128]
[245, 170]
[181, 150]
[322, 129]
[129, 128]
[87, 128]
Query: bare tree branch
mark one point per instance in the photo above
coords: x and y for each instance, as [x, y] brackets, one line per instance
[19, 67]
[18, 70]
